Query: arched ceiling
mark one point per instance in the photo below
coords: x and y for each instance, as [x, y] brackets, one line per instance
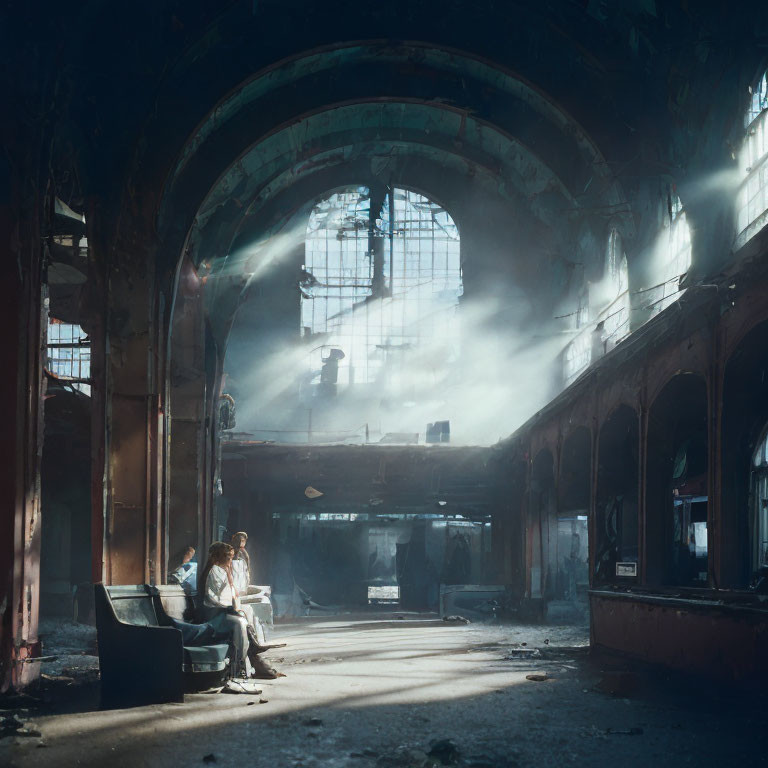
[380, 130]
[160, 107]
[406, 71]
[305, 103]
[325, 110]
[644, 80]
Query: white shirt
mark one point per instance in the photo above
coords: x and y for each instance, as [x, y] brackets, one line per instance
[240, 576]
[218, 593]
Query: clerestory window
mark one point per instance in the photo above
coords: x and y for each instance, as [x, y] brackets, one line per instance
[752, 198]
[603, 309]
[616, 314]
[758, 100]
[578, 355]
[380, 288]
[675, 252]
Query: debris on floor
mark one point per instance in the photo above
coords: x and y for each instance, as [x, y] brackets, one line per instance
[313, 721]
[13, 725]
[445, 751]
[426, 703]
[522, 653]
[71, 656]
[441, 752]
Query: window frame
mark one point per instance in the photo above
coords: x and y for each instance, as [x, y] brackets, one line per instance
[753, 159]
[375, 338]
[678, 257]
[57, 366]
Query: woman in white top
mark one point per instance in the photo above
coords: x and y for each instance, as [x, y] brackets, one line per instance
[241, 574]
[221, 608]
[241, 562]
[220, 599]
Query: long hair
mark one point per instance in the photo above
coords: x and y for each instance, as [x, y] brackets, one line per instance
[217, 552]
[242, 553]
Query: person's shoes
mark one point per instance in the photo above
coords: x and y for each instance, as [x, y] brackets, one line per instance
[262, 670]
[233, 685]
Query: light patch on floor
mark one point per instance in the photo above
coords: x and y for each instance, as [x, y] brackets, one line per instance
[365, 692]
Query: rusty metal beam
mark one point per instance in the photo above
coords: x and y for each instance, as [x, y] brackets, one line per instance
[21, 407]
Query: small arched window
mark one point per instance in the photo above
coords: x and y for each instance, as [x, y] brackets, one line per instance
[380, 287]
[752, 198]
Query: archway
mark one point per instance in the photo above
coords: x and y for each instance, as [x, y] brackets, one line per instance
[542, 533]
[745, 414]
[243, 181]
[676, 541]
[574, 504]
[508, 525]
[616, 503]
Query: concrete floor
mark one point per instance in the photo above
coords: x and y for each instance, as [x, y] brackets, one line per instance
[370, 691]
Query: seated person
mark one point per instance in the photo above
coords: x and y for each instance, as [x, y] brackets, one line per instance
[221, 609]
[247, 593]
[241, 568]
[186, 573]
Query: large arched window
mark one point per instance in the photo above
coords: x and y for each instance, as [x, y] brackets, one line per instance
[616, 323]
[602, 318]
[380, 288]
[674, 255]
[752, 199]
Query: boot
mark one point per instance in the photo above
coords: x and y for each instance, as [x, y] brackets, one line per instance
[256, 647]
[262, 670]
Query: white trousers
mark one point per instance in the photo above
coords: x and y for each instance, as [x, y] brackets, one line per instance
[258, 626]
[239, 627]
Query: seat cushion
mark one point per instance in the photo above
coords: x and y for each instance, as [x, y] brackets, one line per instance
[203, 658]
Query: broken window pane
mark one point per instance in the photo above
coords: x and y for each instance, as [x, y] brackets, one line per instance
[69, 354]
[758, 101]
[411, 319]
